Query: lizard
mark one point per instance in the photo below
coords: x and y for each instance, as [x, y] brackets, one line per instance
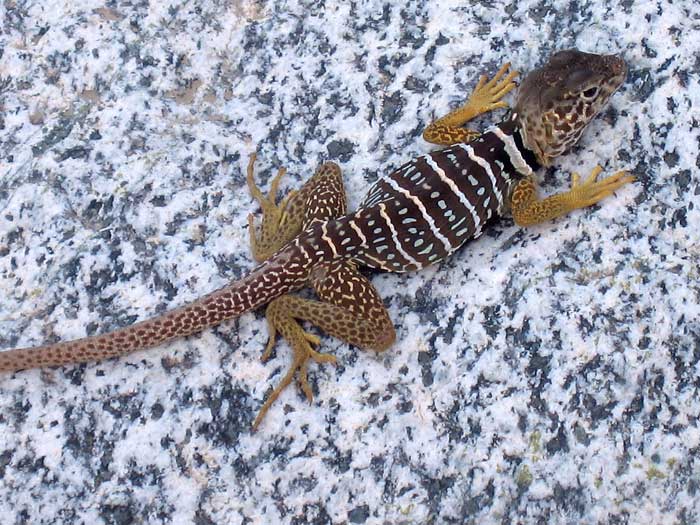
[415, 216]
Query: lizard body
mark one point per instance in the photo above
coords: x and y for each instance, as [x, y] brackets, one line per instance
[415, 216]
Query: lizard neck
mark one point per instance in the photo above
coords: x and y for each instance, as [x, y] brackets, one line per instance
[523, 161]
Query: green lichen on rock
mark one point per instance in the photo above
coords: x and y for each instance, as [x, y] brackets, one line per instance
[524, 479]
[654, 473]
[536, 441]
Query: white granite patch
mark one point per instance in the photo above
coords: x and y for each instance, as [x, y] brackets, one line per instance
[539, 376]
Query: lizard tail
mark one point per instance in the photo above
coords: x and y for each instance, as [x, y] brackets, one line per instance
[285, 271]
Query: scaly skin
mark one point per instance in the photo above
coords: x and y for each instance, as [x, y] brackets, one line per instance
[295, 248]
[528, 209]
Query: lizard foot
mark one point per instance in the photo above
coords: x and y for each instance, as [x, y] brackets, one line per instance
[487, 94]
[265, 244]
[300, 342]
[591, 190]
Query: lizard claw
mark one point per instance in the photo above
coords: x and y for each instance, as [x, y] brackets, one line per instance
[487, 94]
[280, 321]
[262, 242]
[591, 190]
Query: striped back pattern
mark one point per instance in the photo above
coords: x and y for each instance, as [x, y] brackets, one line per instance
[430, 206]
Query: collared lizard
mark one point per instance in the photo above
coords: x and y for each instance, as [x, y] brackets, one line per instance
[415, 216]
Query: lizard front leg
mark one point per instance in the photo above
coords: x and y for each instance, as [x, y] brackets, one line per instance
[486, 97]
[529, 209]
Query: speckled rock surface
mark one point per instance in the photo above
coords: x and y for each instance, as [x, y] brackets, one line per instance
[540, 376]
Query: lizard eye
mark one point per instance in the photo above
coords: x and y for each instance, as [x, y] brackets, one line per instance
[590, 92]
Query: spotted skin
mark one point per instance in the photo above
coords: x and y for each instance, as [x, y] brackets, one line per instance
[320, 198]
[554, 105]
[256, 289]
[429, 207]
[349, 308]
[412, 217]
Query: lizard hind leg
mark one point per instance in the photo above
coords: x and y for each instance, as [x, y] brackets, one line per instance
[281, 321]
[350, 309]
[321, 197]
[276, 227]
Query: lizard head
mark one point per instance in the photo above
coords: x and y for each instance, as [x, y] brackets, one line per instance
[558, 100]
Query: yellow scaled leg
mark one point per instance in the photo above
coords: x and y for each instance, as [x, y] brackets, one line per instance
[279, 320]
[273, 233]
[486, 97]
[350, 309]
[322, 197]
[528, 209]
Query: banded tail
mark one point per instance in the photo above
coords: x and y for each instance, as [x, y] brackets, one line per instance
[285, 271]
